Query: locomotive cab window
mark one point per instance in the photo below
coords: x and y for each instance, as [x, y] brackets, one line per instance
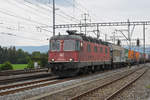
[55, 45]
[69, 45]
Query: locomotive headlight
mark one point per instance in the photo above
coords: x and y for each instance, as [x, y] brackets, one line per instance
[81, 44]
[70, 60]
[53, 59]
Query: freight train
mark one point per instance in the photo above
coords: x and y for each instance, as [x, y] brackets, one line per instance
[76, 53]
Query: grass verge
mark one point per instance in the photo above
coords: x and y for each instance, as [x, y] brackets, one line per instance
[18, 66]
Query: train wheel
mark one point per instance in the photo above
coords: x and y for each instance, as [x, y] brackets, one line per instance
[98, 68]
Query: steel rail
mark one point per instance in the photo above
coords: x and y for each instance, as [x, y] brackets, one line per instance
[18, 72]
[97, 88]
[27, 83]
[124, 87]
[23, 78]
[31, 87]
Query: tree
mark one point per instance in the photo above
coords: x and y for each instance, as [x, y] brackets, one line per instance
[44, 59]
[6, 66]
[41, 58]
[30, 63]
[20, 57]
[36, 54]
[13, 55]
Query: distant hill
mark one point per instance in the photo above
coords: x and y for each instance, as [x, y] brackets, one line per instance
[30, 49]
[45, 48]
[140, 49]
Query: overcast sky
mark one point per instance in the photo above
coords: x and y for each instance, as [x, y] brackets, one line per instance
[20, 20]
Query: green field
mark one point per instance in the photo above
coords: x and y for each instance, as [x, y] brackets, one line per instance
[18, 66]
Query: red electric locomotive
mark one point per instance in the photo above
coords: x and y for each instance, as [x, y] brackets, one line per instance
[75, 53]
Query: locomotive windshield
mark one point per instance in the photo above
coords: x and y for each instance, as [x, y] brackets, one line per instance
[55, 45]
[68, 45]
[71, 45]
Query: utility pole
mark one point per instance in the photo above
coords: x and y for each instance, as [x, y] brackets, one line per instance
[106, 37]
[138, 44]
[98, 32]
[53, 17]
[114, 36]
[85, 19]
[74, 8]
[80, 27]
[86, 15]
[129, 37]
[144, 41]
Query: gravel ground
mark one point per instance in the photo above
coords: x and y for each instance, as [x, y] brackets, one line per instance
[140, 90]
[105, 91]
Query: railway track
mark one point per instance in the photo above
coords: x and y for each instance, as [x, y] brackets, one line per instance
[110, 89]
[16, 72]
[18, 78]
[10, 89]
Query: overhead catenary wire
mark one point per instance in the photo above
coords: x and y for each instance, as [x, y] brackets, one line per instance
[87, 10]
[31, 32]
[16, 16]
[63, 14]
[23, 18]
[72, 17]
[6, 13]
[10, 13]
[14, 35]
[77, 6]
[42, 7]
[36, 12]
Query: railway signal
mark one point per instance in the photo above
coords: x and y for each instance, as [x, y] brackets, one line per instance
[138, 42]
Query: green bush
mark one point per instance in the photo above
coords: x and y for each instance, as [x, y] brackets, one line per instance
[6, 66]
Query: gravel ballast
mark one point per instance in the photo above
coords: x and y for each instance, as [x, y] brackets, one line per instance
[140, 90]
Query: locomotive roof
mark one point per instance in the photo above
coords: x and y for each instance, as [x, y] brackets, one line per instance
[63, 37]
[79, 37]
